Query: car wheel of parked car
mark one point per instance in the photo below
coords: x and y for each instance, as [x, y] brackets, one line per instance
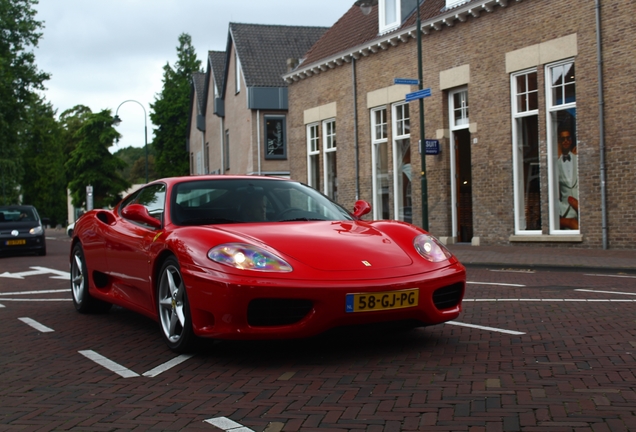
[173, 308]
[83, 301]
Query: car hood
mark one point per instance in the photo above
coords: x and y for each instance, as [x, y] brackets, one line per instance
[329, 245]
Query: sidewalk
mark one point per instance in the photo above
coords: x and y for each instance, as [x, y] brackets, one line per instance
[619, 260]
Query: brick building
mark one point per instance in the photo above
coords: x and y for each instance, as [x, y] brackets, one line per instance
[535, 131]
[238, 112]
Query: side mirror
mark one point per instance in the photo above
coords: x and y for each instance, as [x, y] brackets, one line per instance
[139, 213]
[360, 208]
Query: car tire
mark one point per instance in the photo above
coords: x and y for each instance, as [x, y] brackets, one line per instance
[173, 308]
[82, 299]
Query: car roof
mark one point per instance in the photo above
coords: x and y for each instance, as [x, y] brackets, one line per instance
[175, 180]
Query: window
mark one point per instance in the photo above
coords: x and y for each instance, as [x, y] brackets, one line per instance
[526, 166]
[389, 15]
[562, 147]
[275, 137]
[151, 197]
[329, 160]
[237, 69]
[402, 162]
[380, 161]
[313, 155]
[206, 160]
[460, 108]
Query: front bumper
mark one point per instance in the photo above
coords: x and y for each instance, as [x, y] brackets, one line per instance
[22, 244]
[236, 308]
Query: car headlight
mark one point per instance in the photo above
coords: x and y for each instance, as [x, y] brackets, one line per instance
[36, 230]
[248, 257]
[430, 248]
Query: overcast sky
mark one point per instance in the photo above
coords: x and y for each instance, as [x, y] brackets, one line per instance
[101, 53]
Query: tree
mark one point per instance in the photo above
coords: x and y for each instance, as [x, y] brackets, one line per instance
[92, 164]
[170, 112]
[135, 159]
[44, 183]
[19, 80]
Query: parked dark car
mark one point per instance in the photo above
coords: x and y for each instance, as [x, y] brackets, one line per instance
[21, 230]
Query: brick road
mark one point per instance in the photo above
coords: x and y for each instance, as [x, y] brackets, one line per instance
[572, 369]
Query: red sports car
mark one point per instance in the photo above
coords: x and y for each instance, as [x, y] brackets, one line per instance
[243, 257]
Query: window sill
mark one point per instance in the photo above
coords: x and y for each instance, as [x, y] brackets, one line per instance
[561, 238]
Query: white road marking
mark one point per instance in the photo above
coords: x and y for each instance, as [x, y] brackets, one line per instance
[167, 365]
[109, 364]
[127, 373]
[493, 283]
[617, 276]
[227, 425]
[605, 292]
[36, 300]
[512, 271]
[36, 325]
[512, 332]
[38, 271]
[35, 292]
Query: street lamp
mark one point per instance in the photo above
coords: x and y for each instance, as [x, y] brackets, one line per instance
[117, 121]
[365, 7]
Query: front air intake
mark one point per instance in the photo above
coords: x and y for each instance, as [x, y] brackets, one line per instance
[448, 296]
[277, 312]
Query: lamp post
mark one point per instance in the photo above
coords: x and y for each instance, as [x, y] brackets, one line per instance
[117, 121]
[365, 7]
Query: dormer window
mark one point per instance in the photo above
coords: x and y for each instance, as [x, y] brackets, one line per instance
[452, 3]
[389, 15]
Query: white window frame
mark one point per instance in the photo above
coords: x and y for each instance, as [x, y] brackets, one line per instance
[383, 15]
[329, 146]
[455, 126]
[376, 141]
[313, 150]
[517, 158]
[553, 178]
[237, 69]
[398, 125]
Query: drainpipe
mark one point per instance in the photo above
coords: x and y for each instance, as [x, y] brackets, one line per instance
[355, 125]
[258, 139]
[601, 121]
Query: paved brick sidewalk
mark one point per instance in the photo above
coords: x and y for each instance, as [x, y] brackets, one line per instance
[519, 256]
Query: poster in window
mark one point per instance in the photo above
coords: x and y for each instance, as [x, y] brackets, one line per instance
[567, 169]
[275, 140]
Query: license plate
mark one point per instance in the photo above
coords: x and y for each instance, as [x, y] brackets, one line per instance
[367, 302]
[16, 242]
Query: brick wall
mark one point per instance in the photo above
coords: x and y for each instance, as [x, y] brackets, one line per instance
[482, 44]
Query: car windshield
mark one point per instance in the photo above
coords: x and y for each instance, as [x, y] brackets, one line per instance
[202, 202]
[16, 214]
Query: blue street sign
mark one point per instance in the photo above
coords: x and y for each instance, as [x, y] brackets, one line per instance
[420, 94]
[432, 147]
[409, 81]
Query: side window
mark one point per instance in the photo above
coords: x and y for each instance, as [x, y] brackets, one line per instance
[152, 197]
[313, 155]
[562, 147]
[275, 137]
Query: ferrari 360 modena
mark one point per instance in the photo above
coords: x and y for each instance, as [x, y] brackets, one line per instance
[246, 257]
